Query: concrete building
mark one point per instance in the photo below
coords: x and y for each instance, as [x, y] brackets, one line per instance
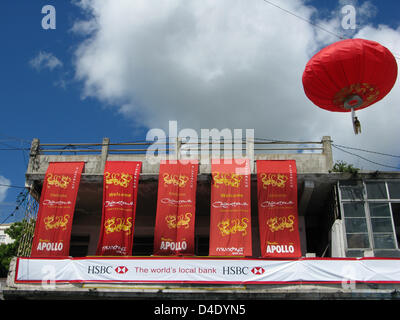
[5, 238]
[341, 216]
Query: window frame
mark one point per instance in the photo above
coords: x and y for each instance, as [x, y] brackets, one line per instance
[366, 203]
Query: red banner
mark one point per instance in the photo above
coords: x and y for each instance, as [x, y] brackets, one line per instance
[176, 207]
[120, 186]
[230, 226]
[277, 208]
[56, 209]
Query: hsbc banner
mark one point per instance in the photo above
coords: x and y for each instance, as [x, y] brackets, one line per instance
[185, 270]
[56, 209]
[176, 207]
[120, 186]
[230, 225]
[277, 208]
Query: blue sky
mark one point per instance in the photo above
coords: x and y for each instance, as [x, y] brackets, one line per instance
[33, 103]
[48, 103]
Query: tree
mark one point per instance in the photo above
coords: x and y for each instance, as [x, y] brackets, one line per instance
[8, 251]
[342, 166]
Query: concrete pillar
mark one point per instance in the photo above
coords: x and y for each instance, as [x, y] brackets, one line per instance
[337, 240]
[250, 152]
[177, 149]
[327, 146]
[303, 236]
[104, 154]
[369, 253]
[33, 164]
[35, 147]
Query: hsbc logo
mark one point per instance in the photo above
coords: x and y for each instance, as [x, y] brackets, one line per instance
[258, 270]
[237, 270]
[101, 269]
[121, 269]
[98, 269]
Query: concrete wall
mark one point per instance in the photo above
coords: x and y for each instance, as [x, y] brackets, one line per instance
[314, 162]
[5, 238]
[88, 217]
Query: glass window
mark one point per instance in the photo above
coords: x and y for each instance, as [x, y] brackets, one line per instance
[357, 240]
[396, 219]
[351, 190]
[354, 209]
[376, 190]
[394, 189]
[367, 214]
[355, 253]
[381, 225]
[356, 225]
[379, 209]
[384, 241]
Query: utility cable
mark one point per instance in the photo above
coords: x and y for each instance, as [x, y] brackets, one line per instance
[304, 19]
[313, 23]
[363, 150]
[363, 158]
[11, 186]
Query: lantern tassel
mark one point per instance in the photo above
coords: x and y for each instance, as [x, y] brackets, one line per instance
[356, 122]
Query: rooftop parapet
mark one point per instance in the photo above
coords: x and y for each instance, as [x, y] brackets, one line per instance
[310, 156]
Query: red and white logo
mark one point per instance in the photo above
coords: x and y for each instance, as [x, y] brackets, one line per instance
[258, 270]
[121, 269]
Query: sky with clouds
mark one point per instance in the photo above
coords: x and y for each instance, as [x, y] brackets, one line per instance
[117, 68]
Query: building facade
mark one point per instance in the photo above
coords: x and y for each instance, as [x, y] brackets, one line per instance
[349, 224]
[4, 237]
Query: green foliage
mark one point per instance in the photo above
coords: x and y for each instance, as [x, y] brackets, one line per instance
[342, 166]
[8, 251]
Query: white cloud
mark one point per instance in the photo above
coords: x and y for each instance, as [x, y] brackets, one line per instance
[45, 60]
[3, 187]
[224, 64]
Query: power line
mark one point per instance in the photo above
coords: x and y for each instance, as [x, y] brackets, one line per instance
[10, 147]
[14, 149]
[166, 139]
[369, 151]
[11, 186]
[21, 198]
[15, 138]
[304, 19]
[10, 215]
[313, 23]
[363, 158]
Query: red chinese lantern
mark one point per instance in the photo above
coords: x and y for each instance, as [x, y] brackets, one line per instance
[349, 75]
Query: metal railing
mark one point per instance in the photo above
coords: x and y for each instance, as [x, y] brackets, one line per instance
[179, 147]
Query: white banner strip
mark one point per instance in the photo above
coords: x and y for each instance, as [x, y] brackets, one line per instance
[186, 270]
